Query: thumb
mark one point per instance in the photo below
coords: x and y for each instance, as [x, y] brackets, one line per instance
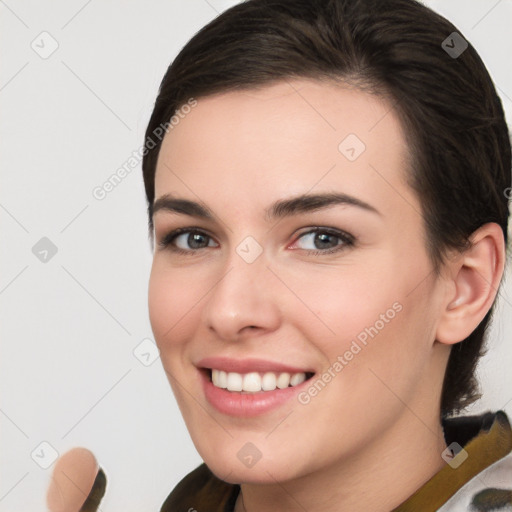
[77, 484]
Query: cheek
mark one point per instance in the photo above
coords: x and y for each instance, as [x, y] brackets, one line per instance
[170, 304]
[370, 315]
[342, 302]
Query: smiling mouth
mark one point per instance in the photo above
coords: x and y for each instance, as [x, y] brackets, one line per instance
[255, 382]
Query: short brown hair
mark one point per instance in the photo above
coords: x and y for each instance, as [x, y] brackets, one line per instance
[456, 131]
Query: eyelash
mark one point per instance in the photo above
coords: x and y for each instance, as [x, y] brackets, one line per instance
[347, 239]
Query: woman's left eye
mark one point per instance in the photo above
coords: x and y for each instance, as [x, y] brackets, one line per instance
[195, 239]
[322, 239]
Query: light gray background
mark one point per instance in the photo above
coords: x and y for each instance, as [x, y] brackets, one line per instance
[68, 373]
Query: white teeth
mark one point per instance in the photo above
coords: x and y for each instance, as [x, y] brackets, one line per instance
[234, 381]
[268, 382]
[283, 381]
[254, 382]
[223, 379]
[220, 378]
[297, 378]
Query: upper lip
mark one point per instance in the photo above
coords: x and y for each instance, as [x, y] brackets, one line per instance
[248, 365]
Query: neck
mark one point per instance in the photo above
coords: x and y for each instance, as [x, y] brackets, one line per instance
[380, 478]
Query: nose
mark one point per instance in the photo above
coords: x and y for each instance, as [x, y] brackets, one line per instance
[243, 300]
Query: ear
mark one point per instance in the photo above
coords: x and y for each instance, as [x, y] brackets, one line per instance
[474, 279]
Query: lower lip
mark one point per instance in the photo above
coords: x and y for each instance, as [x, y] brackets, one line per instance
[246, 405]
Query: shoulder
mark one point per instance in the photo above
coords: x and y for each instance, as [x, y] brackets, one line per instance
[490, 454]
[477, 476]
[201, 490]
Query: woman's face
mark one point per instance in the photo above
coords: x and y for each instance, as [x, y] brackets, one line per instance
[268, 284]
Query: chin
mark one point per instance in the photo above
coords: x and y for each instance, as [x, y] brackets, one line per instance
[229, 465]
[265, 474]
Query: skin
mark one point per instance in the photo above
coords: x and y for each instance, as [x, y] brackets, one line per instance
[376, 424]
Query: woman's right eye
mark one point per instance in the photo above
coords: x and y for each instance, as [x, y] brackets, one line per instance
[186, 237]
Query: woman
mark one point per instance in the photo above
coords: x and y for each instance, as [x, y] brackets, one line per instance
[329, 207]
[329, 217]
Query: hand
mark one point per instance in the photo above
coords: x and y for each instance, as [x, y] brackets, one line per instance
[78, 483]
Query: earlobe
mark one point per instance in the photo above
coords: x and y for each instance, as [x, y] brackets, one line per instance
[476, 278]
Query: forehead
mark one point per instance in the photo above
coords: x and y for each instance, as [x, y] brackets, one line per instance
[285, 139]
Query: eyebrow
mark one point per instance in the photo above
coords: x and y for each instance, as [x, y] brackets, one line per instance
[283, 208]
